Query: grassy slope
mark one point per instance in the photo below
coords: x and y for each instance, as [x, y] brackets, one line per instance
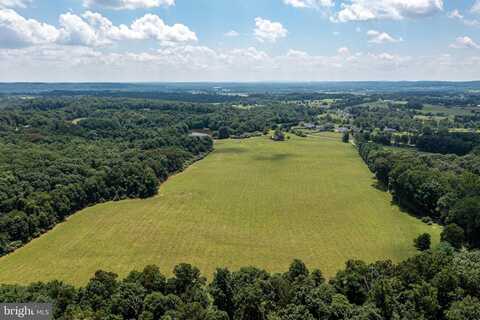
[252, 202]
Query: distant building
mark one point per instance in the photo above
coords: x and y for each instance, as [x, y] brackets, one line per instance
[342, 130]
[308, 125]
[326, 127]
[389, 130]
[199, 134]
[322, 128]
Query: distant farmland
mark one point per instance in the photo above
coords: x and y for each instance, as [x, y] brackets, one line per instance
[252, 202]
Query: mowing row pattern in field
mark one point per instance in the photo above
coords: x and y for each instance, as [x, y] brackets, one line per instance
[252, 202]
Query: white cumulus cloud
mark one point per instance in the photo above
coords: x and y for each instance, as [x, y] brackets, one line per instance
[14, 3]
[464, 43]
[232, 33]
[76, 31]
[379, 37]
[476, 7]
[309, 3]
[363, 10]
[455, 14]
[127, 4]
[89, 29]
[343, 51]
[297, 54]
[266, 30]
[17, 31]
[151, 26]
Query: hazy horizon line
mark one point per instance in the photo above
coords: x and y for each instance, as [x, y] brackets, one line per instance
[239, 81]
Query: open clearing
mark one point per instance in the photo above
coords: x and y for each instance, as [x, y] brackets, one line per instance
[251, 202]
[447, 111]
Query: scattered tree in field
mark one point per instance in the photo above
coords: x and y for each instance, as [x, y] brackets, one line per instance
[454, 235]
[346, 137]
[278, 135]
[423, 242]
[223, 133]
[427, 131]
[415, 105]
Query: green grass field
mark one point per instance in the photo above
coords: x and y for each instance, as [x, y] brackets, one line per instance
[452, 111]
[251, 202]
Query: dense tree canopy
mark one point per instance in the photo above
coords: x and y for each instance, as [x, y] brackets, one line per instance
[439, 284]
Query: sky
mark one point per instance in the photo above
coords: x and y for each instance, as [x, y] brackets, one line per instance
[239, 40]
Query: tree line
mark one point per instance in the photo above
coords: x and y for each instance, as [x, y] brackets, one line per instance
[442, 188]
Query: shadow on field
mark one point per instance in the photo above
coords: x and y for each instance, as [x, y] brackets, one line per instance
[230, 150]
[409, 209]
[379, 185]
[403, 207]
[274, 157]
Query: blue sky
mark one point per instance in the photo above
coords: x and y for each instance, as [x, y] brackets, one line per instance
[239, 40]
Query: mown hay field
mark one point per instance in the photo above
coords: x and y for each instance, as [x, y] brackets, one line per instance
[251, 202]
